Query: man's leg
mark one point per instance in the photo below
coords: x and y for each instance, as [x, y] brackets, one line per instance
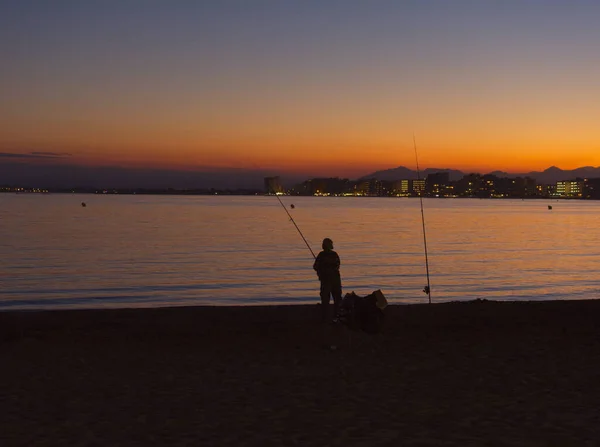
[336, 291]
[325, 294]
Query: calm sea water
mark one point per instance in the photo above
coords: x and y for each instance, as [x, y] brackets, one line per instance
[144, 251]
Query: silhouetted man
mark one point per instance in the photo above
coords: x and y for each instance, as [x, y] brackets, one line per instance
[327, 266]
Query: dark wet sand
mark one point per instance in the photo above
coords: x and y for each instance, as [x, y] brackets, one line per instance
[457, 374]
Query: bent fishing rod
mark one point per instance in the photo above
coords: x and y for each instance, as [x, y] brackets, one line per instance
[297, 228]
[427, 288]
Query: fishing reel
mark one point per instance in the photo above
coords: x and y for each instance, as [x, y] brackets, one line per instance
[426, 290]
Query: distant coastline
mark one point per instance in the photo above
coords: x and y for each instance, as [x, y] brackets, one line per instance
[226, 192]
[129, 191]
[582, 183]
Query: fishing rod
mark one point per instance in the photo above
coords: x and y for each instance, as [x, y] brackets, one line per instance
[427, 288]
[294, 222]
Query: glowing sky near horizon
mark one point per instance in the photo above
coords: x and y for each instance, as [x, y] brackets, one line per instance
[326, 87]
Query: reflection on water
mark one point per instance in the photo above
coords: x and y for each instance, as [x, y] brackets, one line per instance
[159, 250]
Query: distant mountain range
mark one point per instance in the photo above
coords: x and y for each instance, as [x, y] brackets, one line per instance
[55, 175]
[548, 176]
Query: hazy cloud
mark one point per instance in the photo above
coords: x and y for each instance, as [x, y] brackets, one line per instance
[36, 154]
[52, 154]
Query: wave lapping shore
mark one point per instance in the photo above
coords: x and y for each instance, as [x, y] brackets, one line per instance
[468, 374]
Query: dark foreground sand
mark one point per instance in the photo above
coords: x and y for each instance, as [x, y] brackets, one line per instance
[458, 374]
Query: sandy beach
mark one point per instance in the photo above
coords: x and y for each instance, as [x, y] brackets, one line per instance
[457, 374]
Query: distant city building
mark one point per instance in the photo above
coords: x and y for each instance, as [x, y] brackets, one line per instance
[362, 188]
[492, 186]
[404, 188]
[319, 187]
[273, 185]
[376, 188]
[543, 190]
[372, 188]
[436, 183]
[439, 185]
[302, 189]
[401, 188]
[333, 186]
[386, 188]
[523, 187]
[417, 187]
[569, 188]
[469, 186]
[591, 188]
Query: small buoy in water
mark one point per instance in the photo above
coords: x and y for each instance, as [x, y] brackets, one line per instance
[83, 204]
[549, 207]
[292, 206]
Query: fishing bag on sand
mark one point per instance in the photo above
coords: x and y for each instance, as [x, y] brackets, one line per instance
[363, 313]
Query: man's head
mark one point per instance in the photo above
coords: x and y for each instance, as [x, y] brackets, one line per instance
[327, 244]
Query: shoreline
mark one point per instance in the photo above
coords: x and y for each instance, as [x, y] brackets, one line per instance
[462, 373]
[16, 308]
[289, 312]
[227, 193]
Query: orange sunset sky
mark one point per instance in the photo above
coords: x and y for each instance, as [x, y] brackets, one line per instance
[323, 88]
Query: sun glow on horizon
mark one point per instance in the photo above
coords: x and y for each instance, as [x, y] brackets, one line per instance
[339, 93]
